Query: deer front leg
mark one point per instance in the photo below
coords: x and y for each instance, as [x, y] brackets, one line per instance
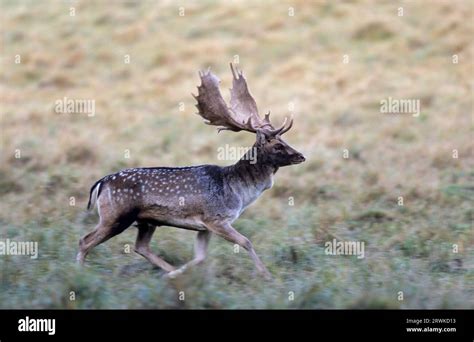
[142, 247]
[200, 253]
[228, 232]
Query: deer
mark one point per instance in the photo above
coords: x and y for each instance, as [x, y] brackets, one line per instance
[206, 199]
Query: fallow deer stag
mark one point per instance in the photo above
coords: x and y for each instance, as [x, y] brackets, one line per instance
[205, 198]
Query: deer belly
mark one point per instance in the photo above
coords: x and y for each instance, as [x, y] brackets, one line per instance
[171, 216]
[185, 223]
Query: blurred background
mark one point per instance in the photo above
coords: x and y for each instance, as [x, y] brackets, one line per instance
[328, 63]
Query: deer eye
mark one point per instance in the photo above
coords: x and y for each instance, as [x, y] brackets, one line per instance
[279, 147]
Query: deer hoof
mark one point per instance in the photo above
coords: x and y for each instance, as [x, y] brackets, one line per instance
[173, 274]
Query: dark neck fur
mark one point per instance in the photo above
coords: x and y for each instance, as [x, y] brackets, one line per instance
[251, 173]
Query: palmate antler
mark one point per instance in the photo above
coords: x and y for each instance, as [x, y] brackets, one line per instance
[242, 115]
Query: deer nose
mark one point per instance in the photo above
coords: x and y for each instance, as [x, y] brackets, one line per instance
[300, 158]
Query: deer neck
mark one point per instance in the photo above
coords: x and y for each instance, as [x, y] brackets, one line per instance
[250, 176]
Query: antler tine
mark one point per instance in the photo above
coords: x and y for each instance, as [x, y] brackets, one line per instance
[203, 73]
[278, 130]
[288, 127]
[237, 73]
[282, 129]
[233, 71]
[267, 118]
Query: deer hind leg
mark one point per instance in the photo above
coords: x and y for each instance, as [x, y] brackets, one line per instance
[200, 253]
[228, 232]
[100, 234]
[109, 226]
[142, 247]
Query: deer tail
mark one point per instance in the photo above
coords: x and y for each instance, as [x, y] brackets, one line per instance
[94, 194]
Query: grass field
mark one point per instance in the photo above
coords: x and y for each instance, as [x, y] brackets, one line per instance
[330, 64]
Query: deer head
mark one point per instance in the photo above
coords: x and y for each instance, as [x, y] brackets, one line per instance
[242, 115]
